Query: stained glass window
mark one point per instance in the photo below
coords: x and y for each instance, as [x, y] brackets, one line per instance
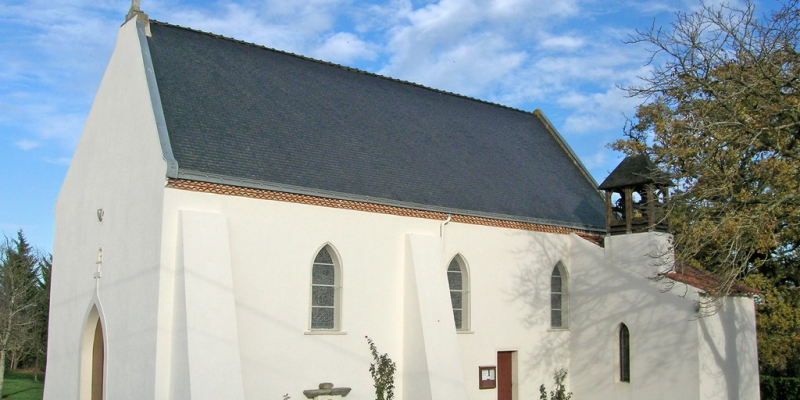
[459, 293]
[555, 298]
[558, 297]
[324, 291]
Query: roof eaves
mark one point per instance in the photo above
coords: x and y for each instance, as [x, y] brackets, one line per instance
[254, 184]
[155, 99]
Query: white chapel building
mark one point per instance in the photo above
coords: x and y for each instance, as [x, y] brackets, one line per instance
[237, 219]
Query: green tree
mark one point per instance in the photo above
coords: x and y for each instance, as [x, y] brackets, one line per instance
[721, 115]
[19, 295]
[778, 324]
[45, 266]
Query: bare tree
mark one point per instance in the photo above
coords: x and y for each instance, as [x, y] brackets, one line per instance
[18, 297]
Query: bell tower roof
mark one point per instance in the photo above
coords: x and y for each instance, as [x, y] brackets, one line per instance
[636, 194]
[635, 171]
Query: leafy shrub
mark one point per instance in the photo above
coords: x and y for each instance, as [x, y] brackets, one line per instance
[382, 371]
[775, 388]
[560, 392]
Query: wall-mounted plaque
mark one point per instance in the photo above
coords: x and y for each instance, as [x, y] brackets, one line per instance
[487, 377]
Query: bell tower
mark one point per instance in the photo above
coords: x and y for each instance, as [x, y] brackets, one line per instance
[636, 192]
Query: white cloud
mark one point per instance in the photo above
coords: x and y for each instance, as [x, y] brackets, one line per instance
[596, 112]
[382, 17]
[469, 67]
[345, 48]
[460, 46]
[653, 7]
[598, 159]
[295, 26]
[52, 67]
[27, 144]
[246, 24]
[58, 161]
[63, 128]
[429, 28]
[561, 43]
[696, 6]
[532, 9]
[43, 121]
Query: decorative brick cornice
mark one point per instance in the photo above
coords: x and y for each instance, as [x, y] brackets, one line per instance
[230, 190]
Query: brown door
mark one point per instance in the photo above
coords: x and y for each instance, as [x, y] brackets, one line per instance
[98, 359]
[505, 375]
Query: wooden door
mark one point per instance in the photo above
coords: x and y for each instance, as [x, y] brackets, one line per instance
[98, 363]
[505, 375]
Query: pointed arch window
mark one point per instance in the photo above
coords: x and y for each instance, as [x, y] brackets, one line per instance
[326, 288]
[559, 297]
[458, 280]
[624, 354]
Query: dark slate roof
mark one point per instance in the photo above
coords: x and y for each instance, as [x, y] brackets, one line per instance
[633, 171]
[248, 115]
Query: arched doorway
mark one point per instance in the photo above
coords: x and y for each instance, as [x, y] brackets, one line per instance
[93, 357]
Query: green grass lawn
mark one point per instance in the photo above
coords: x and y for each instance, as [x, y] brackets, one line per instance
[21, 386]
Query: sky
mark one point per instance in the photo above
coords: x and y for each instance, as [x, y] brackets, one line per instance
[568, 58]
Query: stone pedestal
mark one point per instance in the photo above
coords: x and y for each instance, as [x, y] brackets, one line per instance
[326, 391]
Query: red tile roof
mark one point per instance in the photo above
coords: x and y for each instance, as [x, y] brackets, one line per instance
[707, 281]
[597, 240]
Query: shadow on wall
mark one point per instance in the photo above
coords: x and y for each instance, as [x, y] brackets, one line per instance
[529, 291]
[601, 296]
[735, 351]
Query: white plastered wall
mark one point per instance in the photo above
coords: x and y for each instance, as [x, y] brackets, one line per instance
[117, 167]
[272, 248]
[205, 341]
[663, 339]
[432, 364]
[675, 353]
[510, 272]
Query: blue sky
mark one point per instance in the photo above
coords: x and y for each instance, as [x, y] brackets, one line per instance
[566, 57]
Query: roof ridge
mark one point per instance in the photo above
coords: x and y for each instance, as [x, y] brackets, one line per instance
[344, 67]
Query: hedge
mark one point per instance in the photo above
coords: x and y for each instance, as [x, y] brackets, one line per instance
[774, 388]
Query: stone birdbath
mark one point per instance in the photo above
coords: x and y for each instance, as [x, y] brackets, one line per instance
[326, 391]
